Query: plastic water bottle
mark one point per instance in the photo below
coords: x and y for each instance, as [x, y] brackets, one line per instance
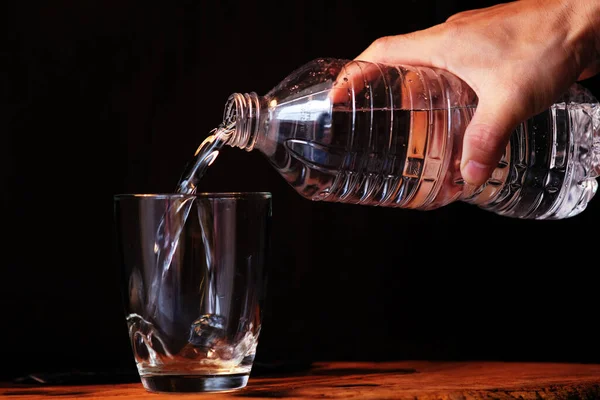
[373, 134]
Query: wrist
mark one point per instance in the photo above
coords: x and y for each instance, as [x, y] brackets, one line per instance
[587, 26]
[582, 37]
[594, 12]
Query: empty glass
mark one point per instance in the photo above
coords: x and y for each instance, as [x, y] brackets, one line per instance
[193, 275]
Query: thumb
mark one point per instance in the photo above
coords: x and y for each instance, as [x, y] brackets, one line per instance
[486, 138]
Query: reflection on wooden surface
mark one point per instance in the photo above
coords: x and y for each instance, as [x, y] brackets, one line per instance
[415, 380]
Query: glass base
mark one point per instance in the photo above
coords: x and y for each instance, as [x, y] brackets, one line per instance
[194, 383]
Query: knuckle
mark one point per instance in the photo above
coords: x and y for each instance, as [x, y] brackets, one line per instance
[453, 29]
[457, 16]
[382, 44]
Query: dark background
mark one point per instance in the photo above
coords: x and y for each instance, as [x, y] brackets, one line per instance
[106, 97]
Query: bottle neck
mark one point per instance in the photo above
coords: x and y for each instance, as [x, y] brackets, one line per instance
[242, 111]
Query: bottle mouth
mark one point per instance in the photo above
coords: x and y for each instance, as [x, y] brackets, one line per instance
[230, 112]
[240, 115]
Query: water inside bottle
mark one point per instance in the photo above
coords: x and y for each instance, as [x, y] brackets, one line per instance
[411, 159]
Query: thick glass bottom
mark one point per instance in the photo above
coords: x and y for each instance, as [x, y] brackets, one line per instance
[194, 383]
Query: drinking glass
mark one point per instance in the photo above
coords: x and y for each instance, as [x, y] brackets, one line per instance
[193, 273]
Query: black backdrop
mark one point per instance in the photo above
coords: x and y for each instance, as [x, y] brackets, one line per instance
[105, 97]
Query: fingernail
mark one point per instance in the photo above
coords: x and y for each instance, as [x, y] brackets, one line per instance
[475, 172]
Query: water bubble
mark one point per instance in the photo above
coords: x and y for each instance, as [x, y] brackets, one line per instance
[514, 187]
[322, 195]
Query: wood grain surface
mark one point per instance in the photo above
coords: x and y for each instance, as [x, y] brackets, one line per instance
[414, 380]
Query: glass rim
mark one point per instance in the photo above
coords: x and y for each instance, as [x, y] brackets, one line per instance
[204, 195]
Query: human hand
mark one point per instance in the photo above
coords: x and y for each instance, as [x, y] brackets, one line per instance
[518, 57]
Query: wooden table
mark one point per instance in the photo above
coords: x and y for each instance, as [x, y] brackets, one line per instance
[414, 380]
